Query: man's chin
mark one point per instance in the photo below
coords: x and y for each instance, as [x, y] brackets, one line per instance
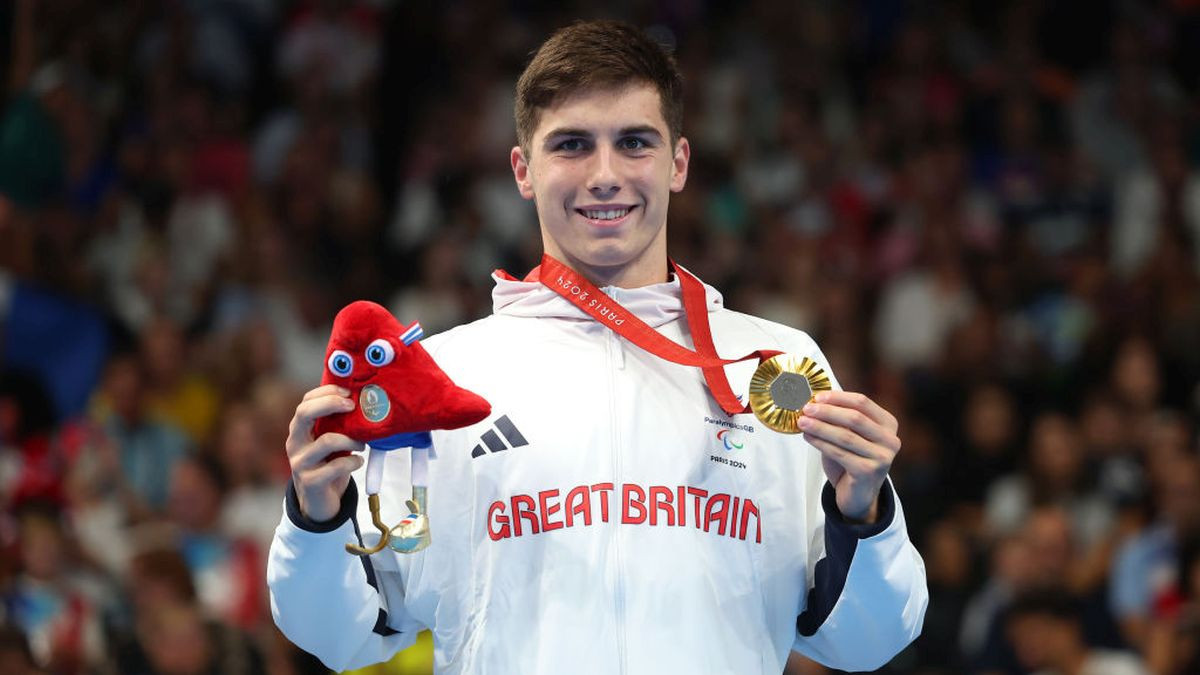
[607, 257]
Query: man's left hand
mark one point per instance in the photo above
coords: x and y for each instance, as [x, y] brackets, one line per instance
[857, 440]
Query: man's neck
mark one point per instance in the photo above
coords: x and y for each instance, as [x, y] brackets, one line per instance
[633, 275]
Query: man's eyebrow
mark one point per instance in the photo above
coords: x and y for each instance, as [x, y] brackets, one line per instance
[641, 130]
[567, 131]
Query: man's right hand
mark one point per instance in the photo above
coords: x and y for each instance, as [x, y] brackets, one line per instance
[320, 481]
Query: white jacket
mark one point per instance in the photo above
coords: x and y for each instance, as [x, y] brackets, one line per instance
[607, 517]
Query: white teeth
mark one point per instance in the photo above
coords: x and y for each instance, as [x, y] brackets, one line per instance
[611, 214]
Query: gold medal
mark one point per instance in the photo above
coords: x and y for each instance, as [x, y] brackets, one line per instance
[781, 387]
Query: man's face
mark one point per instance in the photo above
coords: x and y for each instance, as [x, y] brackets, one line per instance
[600, 170]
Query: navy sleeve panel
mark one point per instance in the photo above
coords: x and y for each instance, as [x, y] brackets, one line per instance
[841, 540]
[346, 512]
[381, 621]
[885, 513]
[381, 626]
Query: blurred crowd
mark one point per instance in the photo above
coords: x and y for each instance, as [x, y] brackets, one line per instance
[988, 214]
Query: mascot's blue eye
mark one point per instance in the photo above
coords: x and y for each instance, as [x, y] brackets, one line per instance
[341, 363]
[380, 353]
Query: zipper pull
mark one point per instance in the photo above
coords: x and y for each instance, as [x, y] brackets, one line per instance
[618, 350]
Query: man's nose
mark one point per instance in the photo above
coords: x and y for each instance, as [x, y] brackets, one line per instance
[603, 181]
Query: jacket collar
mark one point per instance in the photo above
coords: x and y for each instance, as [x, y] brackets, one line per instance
[656, 304]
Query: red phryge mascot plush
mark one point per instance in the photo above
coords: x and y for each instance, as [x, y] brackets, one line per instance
[401, 396]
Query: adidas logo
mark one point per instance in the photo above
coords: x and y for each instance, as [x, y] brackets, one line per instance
[491, 440]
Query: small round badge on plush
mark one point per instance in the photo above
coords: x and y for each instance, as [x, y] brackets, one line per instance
[401, 396]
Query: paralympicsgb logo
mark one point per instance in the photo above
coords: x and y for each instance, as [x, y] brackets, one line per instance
[728, 439]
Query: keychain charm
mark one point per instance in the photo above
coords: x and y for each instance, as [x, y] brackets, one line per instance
[412, 533]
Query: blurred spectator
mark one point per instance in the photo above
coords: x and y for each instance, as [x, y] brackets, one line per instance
[227, 570]
[1112, 450]
[54, 600]
[918, 309]
[33, 168]
[1136, 379]
[1112, 110]
[1145, 569]
[251, 507]
[56, 339]
[32, 463]
[1157, 206]
[1173, 636]
[15, 657]
[948, 560]
[439, 300]
[146, 449]
[1045, 632]
[100, 502]
[170, 634]
[1010, 573]
[990, 430]
[334, 43]
[175, 392]
[1044, 556]
[922, 475]
[1055, 476]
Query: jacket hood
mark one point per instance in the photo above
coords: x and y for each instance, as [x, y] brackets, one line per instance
[656, 304]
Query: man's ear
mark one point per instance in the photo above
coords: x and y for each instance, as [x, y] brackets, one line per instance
[520, 167]
[679, 165]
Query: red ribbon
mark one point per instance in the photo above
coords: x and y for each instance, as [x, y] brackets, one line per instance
[583, 294]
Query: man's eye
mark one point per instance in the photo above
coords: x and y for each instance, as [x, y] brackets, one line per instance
[632, 143]
[571, 145]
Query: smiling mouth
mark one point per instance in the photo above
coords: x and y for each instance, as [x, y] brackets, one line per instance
[606, 216]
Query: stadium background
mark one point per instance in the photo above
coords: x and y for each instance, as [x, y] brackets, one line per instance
[988, 214]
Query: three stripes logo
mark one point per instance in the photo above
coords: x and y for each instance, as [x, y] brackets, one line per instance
[492, 442]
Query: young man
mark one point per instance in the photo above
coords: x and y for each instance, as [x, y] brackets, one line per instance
[609, 516]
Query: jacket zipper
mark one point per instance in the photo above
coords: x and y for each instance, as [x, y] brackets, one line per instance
[612, 349]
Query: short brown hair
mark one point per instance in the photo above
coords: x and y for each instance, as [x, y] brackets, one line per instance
[596, 54]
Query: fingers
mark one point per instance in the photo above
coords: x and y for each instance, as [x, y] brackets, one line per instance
[319, 479]
[857, 441]
[330, 472]
[854, 464]
[314, 406]
[325, 390]
[315, 453]
[847, 419]
[861, 403]
[854, 423]
[844, 437]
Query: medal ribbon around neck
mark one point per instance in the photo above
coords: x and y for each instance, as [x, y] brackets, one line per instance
[595, 303]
